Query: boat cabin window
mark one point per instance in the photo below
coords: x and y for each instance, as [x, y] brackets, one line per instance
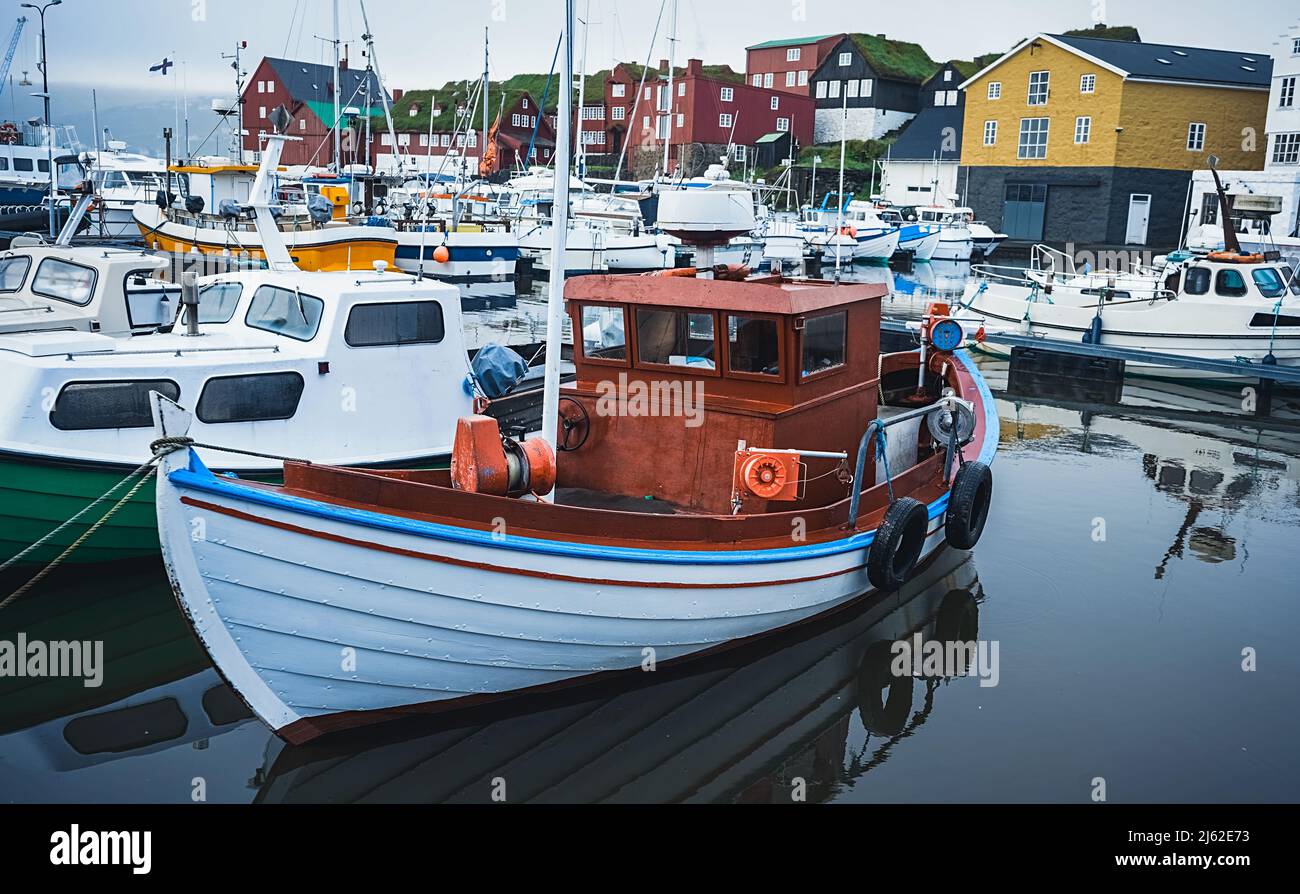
[405, 323]
[97, 406]
[13, 272]
[115, 180]
[218, 302]
[285, 312]
[1198, 281]
[65, 281]
[604, 334]
[256, 398]
[1272, 283]
[1289, 277]
[753, 346]
[1230, 284]
[824, 343]
[676, 338]
[23, 164]
[4, 163]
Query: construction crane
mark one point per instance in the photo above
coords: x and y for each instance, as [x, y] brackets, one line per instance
[9, 56]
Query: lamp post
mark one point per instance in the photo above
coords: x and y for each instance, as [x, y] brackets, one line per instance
[49, 125]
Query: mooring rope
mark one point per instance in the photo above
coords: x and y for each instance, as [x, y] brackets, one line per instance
[160, 448]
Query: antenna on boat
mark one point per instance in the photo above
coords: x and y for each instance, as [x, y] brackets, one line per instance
[559, 245]
[839, 198]
[1230, 241]
[262, 200]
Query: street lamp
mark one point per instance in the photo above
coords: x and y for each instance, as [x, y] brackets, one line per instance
[45, 94]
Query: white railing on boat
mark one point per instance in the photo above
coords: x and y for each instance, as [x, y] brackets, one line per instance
[175, 352]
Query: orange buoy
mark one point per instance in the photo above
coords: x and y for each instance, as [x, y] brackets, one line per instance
[441, 254]
[847, 230]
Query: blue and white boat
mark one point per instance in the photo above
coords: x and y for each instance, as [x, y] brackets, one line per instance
[25, 153]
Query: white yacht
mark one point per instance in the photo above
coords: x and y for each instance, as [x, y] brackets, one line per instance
[122, 179]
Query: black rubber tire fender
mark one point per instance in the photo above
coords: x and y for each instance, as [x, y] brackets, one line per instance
[898, 543]
[968, 505]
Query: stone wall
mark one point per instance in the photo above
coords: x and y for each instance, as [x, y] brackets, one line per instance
[863, 124]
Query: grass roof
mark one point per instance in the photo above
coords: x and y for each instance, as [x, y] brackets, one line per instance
[1101, 32]
[456, 93]
[896, 59]
[716, 72]
[968, 68]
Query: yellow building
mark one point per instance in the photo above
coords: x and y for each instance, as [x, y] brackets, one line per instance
[1093, 141]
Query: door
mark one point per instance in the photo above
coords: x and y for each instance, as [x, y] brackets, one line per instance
[1024, 211]
[1139, 216]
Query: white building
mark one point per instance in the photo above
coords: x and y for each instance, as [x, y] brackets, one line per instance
[1280, 177]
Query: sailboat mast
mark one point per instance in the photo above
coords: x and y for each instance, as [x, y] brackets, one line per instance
[668, 100]
[486, 83]
[839, 219]
[581, 146]
[338, 88]
[559, 244]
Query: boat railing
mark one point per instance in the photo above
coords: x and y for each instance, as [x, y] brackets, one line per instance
[876, 433]
[1048, 259]
[175, 352]
[32, 308]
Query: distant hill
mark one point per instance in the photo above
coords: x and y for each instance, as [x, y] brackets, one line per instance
[1102, 32]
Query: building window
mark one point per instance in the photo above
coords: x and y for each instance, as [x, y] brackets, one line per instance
[646, 95]
[867, 84]
[846, 59]
[776, 103]
[514, 119]
[834, 89]
[1088, 83]
[645, 122]
[1082, 130]
[1295, 47]
[758, 80]
[302, 123]
[852, 88]
[261, 86]
[821, 89]
[681, 88]
[681, 119]
[792, 55]
[1287, 99]
[1210, 210]
[618, 113]
[1038, 87]
[1033, 138]
[446, 138]
[947, 76]
[790, 78]
[724, 120]
[424, 140]
[767, 80]
[618, 91]
[782, 125]
[524, 103]
[803, 79]
[1195, 137]
[386, 139]
[995, 90]
[728, 94]
[261, 111]
[473, 139]
[1286, 149]
[270, 86]
[990, 133]
[738, 154]
[403, 139]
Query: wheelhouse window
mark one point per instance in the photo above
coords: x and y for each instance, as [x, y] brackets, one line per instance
[1289, 277]
[285, 312]
[824, 340]
[1273, 283]
[13, 272]
[1230, 284]
[604, 333]
[753, 346]
[1197, 282]
[404, 323]
[676, 338]
[98, 406]
[218, 302]
[257, 398]
[65, 281]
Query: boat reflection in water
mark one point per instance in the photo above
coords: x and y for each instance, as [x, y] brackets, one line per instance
[764, 723]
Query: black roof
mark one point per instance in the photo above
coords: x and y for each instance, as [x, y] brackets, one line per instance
[922, 139]
[310, 82]
[1174, 63]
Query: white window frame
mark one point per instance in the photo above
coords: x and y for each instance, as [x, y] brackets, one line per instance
[681, 88]
[1033, 150]
[990, 133]
[947, 76]
[757, 80]
[867, 86]
[1088, 83]
[261, 86]
[793, 54]
[725, 120]
[727, 94]
[1286, 149]
[618, 91]
[821, 89]
[846, 59]
[261, 111]
[1040, 88]
[790, 77]
[1196, 131]
[995, 89]
[768, 80]
[618, 113]
[851, 85]
[803, 78]
[782, 125]
[1083, 130]
[833, 90]
[776, 103]
[1286, 95]
[681, 120]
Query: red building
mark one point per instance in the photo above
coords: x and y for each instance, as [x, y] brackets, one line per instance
[713, 108]
[787, 65]
[306, 90]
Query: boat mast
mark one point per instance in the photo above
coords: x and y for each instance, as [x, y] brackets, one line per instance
[839, 219]
[369, 38]
[559, 245]
[338, 99]
[482, 152]
[668, 100]
[581, 147]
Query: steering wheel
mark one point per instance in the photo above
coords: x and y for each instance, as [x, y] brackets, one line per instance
[575, 425]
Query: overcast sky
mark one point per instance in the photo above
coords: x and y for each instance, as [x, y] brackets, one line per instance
[427, 42]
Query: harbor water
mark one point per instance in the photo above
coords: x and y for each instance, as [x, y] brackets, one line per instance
[1132, 602]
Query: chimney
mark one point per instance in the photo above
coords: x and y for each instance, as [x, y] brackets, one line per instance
[343, 63]
[663, 66]
[398, 93]
[694, 67]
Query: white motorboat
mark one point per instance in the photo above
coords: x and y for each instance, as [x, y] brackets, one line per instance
[122, 180]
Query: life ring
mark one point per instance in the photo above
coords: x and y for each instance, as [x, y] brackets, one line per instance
[898, 543]
[968, 505]
[849, 231]
[884, 699]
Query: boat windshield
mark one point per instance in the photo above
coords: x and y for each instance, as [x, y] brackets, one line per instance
[1273, 283]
